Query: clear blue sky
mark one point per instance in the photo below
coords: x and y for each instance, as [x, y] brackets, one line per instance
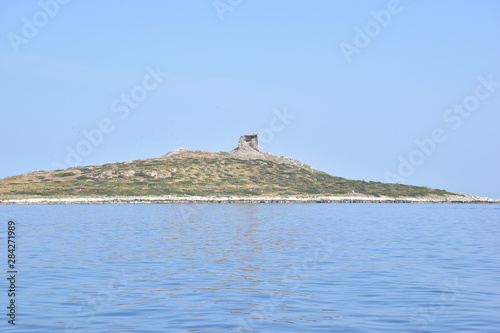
[360, 80]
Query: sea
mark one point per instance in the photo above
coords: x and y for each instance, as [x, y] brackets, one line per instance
[250, 268]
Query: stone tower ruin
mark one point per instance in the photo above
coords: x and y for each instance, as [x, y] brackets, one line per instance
[249, 141]
[248, 145]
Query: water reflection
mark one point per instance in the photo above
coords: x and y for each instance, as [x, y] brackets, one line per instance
[268, 268]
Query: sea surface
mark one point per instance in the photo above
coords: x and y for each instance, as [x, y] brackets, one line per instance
[253, 268]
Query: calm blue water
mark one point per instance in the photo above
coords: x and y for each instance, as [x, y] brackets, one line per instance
[255, 268]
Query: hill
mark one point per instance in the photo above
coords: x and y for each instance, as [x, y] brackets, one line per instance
[245, 171]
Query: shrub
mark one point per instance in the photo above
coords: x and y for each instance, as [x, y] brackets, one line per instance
[65, 174]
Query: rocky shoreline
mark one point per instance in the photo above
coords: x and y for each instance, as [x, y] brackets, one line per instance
[465, 199]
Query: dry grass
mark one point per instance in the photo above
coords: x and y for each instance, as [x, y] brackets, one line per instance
[197, 173]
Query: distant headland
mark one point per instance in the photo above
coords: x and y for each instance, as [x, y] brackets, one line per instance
[243, 175]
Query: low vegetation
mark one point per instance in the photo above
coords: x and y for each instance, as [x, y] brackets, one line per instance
[197, 174]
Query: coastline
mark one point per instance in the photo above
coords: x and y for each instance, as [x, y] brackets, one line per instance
[465, 199]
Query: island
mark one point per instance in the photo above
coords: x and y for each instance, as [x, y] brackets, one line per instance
[243, 175]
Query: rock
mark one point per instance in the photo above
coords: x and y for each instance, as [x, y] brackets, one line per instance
[248, 148]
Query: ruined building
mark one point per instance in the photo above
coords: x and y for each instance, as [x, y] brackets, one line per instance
[249, 141]
[248, 145]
